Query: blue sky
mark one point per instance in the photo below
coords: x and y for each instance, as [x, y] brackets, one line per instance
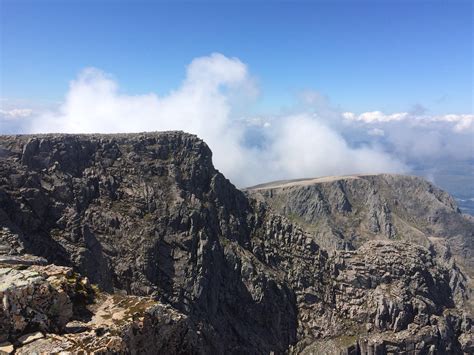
[364, 55]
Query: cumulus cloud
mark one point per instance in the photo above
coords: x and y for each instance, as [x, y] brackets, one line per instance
[303, 146]
[208, 103]
[458, 122]
[461, 122]
[201, 106]
[312, 139]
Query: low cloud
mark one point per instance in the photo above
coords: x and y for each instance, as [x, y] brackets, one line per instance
[14, 120]
[16, 113]
[375, 116]
[303, 146]
[314, 140]
[376, 132]
[419, 139]
[458, 122]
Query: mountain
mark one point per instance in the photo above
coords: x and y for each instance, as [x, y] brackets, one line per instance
[136, 243]
[343, 212]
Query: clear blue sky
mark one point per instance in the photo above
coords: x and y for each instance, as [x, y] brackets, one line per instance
[385, 55]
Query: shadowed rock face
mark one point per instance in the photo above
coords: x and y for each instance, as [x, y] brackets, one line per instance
[147, 214]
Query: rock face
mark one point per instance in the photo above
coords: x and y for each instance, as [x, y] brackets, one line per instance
[34, 299]
[49, 309]
[186, 263]
[342, 213]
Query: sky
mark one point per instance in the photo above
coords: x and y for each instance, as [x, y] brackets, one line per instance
[274, 87]
[363, 54]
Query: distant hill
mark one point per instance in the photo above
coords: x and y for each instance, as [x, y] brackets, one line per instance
[345, 211]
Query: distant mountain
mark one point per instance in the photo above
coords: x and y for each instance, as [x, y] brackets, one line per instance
[343, 212]
[134, 243]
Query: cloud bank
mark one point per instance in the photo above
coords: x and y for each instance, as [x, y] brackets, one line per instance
[315, 141]
[460, 122]
[16, 113]
[418, 138]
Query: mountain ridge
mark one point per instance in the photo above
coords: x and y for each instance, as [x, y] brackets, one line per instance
[147, 215]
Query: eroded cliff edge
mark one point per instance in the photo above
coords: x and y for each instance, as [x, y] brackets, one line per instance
[148, 215]
[343, 212]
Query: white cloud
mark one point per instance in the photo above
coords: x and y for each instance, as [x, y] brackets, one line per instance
[305, 147]
[375, 116]
[376, 132]
[419, 138]
[200, 106]
[215, 88]
[15, 113]
[257, 121]
[459, 122]
[349, 116]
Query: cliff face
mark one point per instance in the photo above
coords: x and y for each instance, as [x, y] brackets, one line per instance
[345, 212]
[147, 215]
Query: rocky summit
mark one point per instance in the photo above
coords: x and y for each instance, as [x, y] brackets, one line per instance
[135, 243]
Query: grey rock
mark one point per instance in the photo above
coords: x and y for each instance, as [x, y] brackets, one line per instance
[187, 263]
[382, 206]
[38, 298]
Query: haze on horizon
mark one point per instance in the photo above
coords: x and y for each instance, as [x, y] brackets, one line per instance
[278, 90]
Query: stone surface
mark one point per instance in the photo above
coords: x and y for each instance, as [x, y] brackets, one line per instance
[186, 263]
[39, 297]
[6, 348]
[344, 212]
[28, 338]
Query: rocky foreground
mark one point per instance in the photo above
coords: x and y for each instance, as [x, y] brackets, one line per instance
[134, 243]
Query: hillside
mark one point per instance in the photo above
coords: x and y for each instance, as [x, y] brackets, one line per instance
[136, 243]
[344, 212]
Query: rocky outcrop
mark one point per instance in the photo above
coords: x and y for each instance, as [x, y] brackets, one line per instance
[122, 324]
[388, 297]
[147, 214]
[39, 297]
[344, 212]
[186, 263]
[50, 309]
